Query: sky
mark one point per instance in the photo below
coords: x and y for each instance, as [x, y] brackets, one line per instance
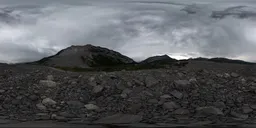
[33, 29]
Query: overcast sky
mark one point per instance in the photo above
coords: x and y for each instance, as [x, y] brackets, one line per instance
[140, 28]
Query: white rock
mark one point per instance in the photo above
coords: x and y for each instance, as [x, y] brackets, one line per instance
[50, 77]
[48, 83]
[91, 107]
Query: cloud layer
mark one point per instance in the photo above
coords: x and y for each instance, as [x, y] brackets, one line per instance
[137, 29]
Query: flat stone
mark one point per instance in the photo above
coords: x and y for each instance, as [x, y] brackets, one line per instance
[170, 106]
[177, 94]
[209, 110]
[48, 102]
[75, 104]
[181, 111]
[150, 81]
[91, 107]
[182, 84]
[247, 109]
[165, 96]
[239, 115]
[98, 89]
[137, 82]
[2, 91]
[41, 107]
[120, 119]
[48, 83]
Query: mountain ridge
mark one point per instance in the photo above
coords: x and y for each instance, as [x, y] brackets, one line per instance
[96, 58]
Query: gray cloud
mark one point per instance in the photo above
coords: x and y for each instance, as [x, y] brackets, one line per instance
[136, 29]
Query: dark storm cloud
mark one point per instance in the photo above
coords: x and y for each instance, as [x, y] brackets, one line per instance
[138, 29]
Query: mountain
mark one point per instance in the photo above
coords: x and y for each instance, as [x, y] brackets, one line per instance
[86, 56]
[222, 60]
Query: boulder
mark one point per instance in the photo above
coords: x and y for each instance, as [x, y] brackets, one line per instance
[177, 94]
[98, 89]
[91, 107]
[170, 106]
[209, 110]
[120, 119]
[41, 107]
[182, 84]
[239, 115]
[48, 102]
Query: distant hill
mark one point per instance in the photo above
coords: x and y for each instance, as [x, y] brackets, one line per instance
[158, 61]
[222, 60]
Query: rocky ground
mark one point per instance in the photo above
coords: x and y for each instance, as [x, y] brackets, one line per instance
[200, 93]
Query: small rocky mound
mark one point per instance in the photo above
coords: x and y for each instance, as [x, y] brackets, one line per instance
[158, 61]
[86, 57]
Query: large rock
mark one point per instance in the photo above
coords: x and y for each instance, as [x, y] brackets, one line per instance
[182, 84]
[209, 110]
[165, 96]
[239, 115]
[234, 74]
[177, 94]
[120, 119]
[246, 109]
[41, 107]
[170, 106]
[48, 102]
[47, 83]
[98, 89]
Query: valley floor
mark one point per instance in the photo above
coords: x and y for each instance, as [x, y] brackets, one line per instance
[202, 93]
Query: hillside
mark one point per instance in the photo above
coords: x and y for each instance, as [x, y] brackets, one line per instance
[87, 56]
